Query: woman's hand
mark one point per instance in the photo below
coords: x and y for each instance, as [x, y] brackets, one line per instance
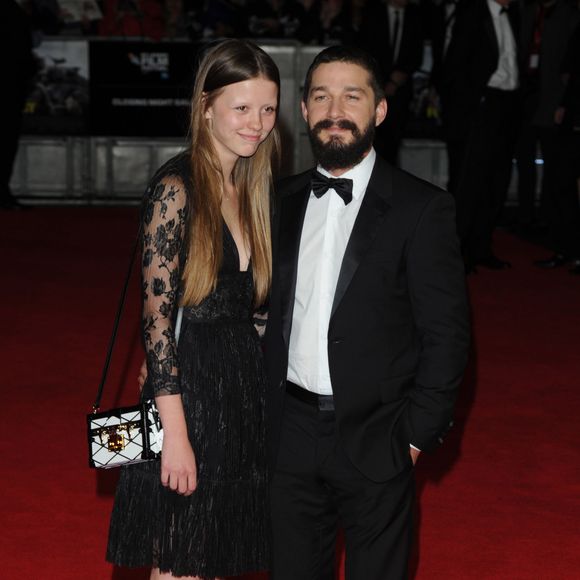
[178, 467]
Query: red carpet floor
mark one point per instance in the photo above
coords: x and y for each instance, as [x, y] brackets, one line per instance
[501, 498]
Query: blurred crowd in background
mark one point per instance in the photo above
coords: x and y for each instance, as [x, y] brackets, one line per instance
[501, 82]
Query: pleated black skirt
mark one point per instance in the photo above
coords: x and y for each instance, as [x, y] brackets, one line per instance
[222, 528]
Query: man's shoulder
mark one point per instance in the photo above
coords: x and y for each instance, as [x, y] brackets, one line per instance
[409, 188]
[412, 184]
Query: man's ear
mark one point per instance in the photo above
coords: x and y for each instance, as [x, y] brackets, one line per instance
[304, 111]
[381, 112]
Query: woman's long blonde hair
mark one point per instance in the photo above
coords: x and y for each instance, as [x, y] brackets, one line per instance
[231, 61]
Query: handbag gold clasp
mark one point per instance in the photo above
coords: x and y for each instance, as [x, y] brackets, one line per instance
[116, 441]
[114, 437]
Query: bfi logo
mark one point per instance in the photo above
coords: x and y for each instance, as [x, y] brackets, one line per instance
[151, 62]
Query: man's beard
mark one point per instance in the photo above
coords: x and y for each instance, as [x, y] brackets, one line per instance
[335, 154]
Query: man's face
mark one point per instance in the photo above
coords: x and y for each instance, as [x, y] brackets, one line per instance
[341, 114]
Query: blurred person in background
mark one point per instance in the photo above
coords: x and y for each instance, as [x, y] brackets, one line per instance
[274, 18]
[318, 22]
[44, 17]
[439, 18]
[392, 32]
[562, 209]
[479, 92]
[133, 18]
[224, 18]
[546, 29]
[336, 22]
[18, 68]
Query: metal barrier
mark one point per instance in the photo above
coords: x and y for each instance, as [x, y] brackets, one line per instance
[100, 170]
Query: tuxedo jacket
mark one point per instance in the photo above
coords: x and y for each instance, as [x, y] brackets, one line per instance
[398, 333]
[438, 21]
[560, 21]
[375, 37]
[472, 58]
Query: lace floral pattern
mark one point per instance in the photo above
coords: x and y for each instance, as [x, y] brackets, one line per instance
[164, 217]
[221, 530]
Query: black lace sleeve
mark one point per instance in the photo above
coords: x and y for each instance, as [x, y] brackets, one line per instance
[164, 215]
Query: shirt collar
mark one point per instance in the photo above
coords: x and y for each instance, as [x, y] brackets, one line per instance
[494, 8]
[360, 174]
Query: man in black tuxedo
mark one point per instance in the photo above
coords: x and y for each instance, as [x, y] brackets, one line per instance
[440, 17]
[480, 98]
[366, 340]
[392, 32]
[546, 29]
[561, 204]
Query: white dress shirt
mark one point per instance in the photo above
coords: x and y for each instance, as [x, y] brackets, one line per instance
[327, 227]
[506, 75]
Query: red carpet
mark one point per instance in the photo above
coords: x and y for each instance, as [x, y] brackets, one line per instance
[501, 498]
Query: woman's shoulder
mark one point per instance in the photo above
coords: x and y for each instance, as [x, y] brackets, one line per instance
[173, 179]
[178, 167]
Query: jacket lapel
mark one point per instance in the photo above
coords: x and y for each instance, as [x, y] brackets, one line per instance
[490, 33]
[293, 209]
[371, 214]
[515, 23]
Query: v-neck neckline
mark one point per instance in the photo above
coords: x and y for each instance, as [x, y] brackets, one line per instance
[229, 233]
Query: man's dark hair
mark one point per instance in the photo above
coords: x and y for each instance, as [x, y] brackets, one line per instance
[350, 55]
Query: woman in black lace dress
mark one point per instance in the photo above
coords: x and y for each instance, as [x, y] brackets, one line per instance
[200, 512]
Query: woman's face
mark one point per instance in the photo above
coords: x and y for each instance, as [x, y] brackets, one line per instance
[241, 117]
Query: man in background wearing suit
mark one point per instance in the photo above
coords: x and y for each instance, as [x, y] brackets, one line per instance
[480, 100]
[440, 17]
[391, 31]
[366, 340]
[562, 207]
[546, 29]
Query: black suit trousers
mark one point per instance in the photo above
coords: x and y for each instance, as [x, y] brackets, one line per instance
[486, 172]
[315, 488]
[527, 144]
[561, 199]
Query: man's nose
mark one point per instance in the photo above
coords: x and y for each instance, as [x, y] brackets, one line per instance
[335, 110]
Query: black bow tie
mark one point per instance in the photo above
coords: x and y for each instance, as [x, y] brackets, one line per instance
[321, 184]
[503, 10]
